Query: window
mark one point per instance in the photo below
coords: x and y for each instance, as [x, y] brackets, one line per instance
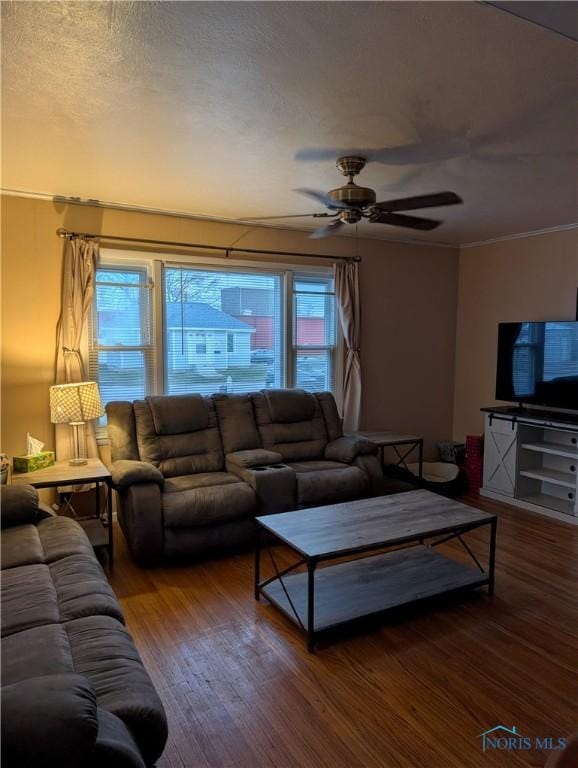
[121, 355]
[214, 329]
[560, 350]
[528, 361]
[239, 316]
[314, 345]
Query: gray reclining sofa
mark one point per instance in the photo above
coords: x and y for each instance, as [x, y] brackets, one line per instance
[75, 693]
[192, 472]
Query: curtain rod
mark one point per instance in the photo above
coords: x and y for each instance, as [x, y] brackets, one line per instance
[65, 233]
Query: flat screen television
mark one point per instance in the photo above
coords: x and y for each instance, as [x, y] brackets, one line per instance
[538, 364]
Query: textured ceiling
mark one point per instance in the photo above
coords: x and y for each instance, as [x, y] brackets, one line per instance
[202, 107]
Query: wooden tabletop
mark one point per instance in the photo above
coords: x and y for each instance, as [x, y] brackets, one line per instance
[389, 438]
[356, 526]
[63, 473]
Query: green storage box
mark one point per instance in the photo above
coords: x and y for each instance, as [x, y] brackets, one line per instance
[32, 463]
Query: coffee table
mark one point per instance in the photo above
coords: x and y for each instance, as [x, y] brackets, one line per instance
[362, 585]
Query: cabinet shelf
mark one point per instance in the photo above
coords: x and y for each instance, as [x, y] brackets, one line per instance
[565, 479]
[549, 502]
[568, 451]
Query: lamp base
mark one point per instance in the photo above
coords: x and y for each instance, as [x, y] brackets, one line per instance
[79, 444]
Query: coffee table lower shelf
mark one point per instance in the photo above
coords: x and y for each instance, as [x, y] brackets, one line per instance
[368, 586]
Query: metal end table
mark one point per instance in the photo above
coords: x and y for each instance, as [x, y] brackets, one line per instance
[63, 474]
[403, 445]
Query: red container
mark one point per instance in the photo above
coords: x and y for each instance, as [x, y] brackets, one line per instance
[474, 465]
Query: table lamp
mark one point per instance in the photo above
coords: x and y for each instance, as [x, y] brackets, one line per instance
[76, 404]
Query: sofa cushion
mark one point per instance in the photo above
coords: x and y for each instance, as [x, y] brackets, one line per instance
[293, 440]
[49, 540]
[316, 465]
[66, 589]
[287, 406]
[202, 480]
[204, 504]
[184, 453]
[103, 650]
[237, 422]
[121, 429]
[333, 422]
[100, 648]
[34, 652]
[328, 482]
[347, 448]
[177, 414]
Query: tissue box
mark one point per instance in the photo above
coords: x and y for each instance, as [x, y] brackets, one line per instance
[32, 463]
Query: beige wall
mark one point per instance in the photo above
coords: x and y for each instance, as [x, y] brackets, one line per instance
[531, 278]
[408, 307]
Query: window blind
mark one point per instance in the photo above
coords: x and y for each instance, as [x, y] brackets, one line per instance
[121, 354]
[223, 330]
[314, 335]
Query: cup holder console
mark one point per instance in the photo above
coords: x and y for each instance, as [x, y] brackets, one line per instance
[270, 466]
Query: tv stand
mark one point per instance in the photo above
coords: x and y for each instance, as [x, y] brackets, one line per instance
[531, 460]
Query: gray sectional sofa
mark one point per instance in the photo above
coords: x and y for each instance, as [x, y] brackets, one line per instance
[75, 693]
[192, 472]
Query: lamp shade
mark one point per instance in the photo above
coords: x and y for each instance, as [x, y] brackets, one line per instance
[78, 402]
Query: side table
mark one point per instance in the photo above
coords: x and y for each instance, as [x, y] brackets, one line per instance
[93, 472]
[407, 443]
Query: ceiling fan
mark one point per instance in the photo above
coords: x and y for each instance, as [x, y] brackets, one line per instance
[351, 203]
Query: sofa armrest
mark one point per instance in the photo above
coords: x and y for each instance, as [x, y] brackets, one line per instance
[348, 448]
[126, 472]
[275, 487]
[371, 467]
[115, 744]
[48, 721]
[258, 457]
[140, 514]
[19, 505]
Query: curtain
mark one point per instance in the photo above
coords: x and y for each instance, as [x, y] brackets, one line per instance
[347, 294]
[78, 274]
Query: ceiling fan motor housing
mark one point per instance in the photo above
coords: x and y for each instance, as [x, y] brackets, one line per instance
[353, 195]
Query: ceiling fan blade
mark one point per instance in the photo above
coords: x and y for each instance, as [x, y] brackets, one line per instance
[319, 154]
[321, 197]
[401, 220]
[435, 151]
[441, 148]
[420, 201]
[328, 229]
[289, 216]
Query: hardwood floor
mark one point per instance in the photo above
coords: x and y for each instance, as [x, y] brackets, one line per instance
[241, 690]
